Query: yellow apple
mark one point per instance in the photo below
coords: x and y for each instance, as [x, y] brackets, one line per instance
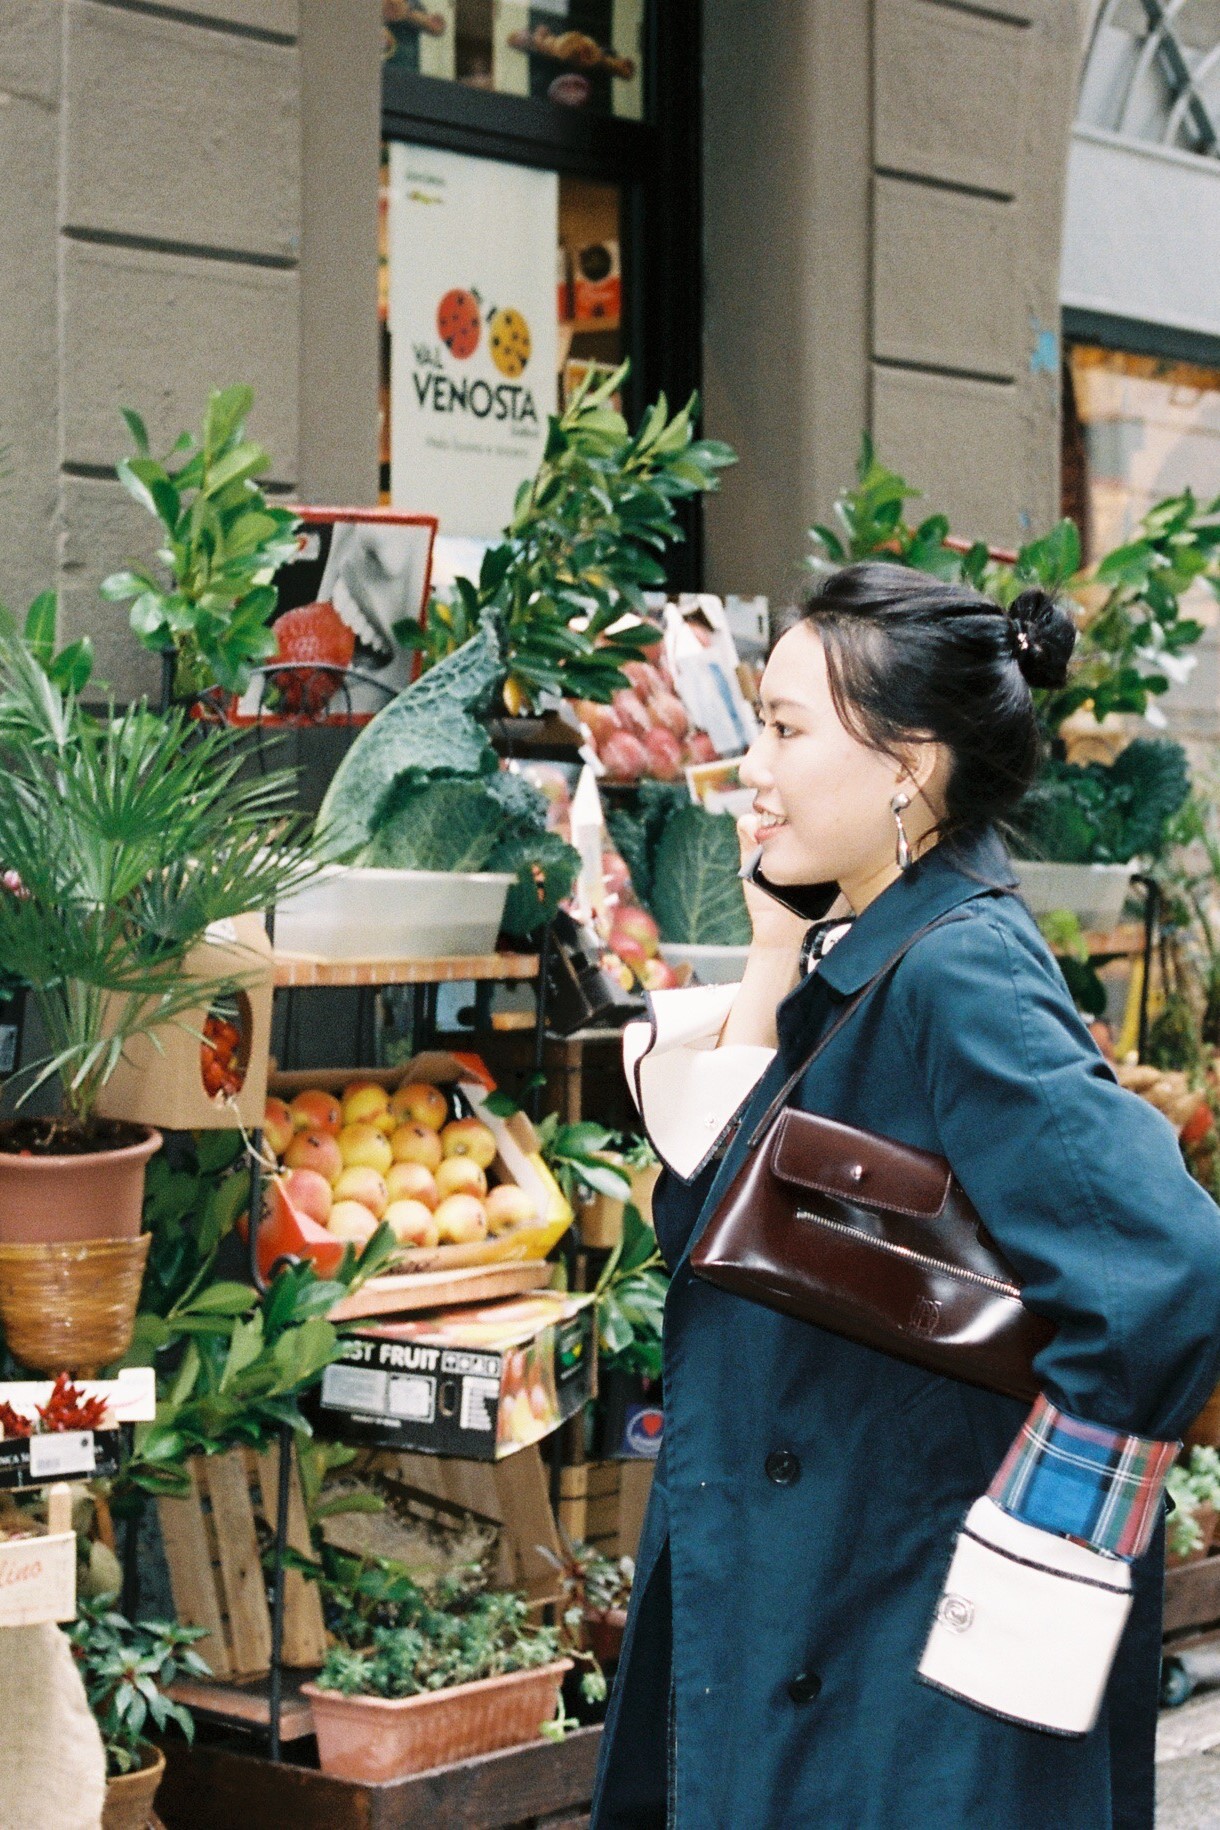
[412, 1223]
[360, 1183]
[469, 1137]
[460, 1220]
[507, 1207]
[415, 1143]
[420, 1100]
[412, 1182]
[278, 1127]
[365, 1103]
[365, 1145]
[351, 1220]
[460, 1175]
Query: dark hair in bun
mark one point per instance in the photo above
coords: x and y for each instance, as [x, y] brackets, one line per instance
[910, 657]
[1043, 636]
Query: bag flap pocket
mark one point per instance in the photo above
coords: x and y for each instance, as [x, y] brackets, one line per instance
[810, 1151]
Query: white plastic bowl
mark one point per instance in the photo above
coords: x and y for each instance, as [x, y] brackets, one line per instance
[362, 913]
[1095, 893]
[710, 965]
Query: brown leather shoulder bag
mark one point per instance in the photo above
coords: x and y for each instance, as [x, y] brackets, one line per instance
[871, 1239]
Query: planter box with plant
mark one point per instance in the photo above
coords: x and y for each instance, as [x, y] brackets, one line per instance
[127, 1669]
[422, 1676]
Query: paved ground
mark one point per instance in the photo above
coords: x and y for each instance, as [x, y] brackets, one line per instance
[1188, 1755]
[1188, 1793]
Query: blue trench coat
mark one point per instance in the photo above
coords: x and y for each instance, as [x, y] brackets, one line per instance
[808, 1491]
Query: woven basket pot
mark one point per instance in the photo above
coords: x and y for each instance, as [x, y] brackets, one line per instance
[71, 1307]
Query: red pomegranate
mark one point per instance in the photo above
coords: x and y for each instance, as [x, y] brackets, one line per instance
[458, 322]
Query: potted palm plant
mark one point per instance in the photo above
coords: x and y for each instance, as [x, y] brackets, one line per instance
[127, 1668]
[125, 839]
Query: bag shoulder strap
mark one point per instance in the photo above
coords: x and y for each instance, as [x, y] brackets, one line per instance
[845, 1015]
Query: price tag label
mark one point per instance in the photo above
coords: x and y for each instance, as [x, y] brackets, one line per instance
[62, 1452]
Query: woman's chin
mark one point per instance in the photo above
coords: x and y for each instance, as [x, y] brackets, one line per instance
[783, 863]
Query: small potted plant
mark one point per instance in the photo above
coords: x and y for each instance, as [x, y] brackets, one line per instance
[127, 1668]
[422, 1676]
[599, 1588]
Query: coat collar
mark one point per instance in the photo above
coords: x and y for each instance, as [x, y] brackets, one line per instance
[951, 873]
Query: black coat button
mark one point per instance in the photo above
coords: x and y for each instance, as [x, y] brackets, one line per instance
[804, 1687]
[783, 1467]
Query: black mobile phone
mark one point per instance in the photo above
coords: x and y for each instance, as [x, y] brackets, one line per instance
[809, 900]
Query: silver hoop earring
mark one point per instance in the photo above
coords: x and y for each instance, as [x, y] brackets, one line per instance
[903, 849]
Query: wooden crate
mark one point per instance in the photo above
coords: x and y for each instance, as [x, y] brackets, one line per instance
[543, 1783]
[216, 1574]
[603, 1502]
[516, 1493]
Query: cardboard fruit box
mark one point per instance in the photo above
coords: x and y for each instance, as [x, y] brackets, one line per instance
[517, 1160]
[160, 1079]
[479, 1383]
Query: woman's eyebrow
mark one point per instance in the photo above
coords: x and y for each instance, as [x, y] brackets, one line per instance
[771, 705]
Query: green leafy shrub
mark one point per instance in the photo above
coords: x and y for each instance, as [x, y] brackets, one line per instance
[222, 545]
[127, 1668]
[1132, 630]
[583, 545]
[398, 1638]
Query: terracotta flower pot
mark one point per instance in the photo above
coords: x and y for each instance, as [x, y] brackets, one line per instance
[71, 1307]
[98, 1194]
[129, 1796]
[378, 1738]
[604, 1632]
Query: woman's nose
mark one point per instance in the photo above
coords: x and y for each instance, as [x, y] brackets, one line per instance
[751, 771]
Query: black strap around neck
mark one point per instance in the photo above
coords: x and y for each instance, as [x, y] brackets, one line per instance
[845, 1015]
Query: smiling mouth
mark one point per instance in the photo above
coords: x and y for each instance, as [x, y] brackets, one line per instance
[768, 824]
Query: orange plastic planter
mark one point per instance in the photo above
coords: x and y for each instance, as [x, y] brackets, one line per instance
[378, 1738]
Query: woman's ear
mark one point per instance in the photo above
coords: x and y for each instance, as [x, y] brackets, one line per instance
[926, 773]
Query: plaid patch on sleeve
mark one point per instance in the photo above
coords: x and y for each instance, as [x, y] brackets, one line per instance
[1084, 1481]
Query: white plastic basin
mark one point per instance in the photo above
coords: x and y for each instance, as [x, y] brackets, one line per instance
[1095, 893]
[363, 913]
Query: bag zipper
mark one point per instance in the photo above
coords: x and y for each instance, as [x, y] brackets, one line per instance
[906, 1251]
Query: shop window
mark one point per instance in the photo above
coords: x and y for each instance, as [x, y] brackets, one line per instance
[576, 54]
[1137, 429]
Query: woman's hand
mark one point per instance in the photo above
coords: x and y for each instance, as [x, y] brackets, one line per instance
[776, 929]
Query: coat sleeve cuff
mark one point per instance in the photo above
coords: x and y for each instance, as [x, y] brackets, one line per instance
[1027, 1625]
[1084, 1481]
[688, 1090]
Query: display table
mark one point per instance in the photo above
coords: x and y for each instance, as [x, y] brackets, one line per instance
[298, 971]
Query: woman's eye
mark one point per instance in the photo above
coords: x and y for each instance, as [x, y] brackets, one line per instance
[782, 730]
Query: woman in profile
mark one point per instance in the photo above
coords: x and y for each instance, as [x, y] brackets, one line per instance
[792, 1656]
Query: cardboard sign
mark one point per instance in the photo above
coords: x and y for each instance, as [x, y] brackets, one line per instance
[474, 348]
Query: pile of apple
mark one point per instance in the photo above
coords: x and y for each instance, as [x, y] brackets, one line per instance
[371, 1155]
[633, 940]
[645, 730]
